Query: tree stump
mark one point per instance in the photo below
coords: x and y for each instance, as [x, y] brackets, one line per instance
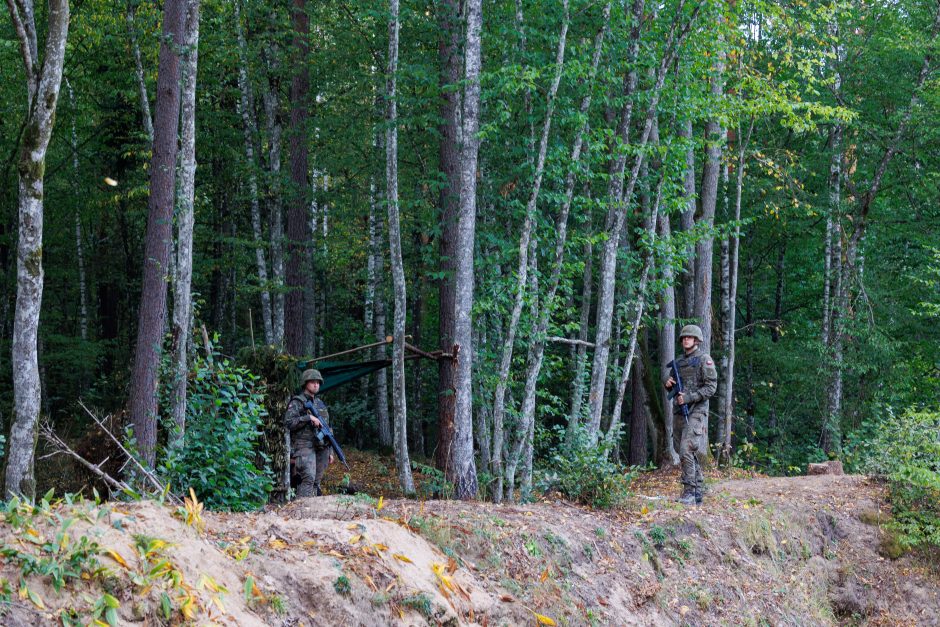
[825, 468]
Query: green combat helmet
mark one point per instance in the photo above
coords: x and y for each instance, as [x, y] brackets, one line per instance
[311, 375]
[691, 330]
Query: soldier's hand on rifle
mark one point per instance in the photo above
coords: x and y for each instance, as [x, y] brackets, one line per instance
[670, 382]
[331, 458]
[315, 421]
[679, 398]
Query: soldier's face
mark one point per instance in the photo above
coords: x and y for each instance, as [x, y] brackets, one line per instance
[688, 342]
[312, 387]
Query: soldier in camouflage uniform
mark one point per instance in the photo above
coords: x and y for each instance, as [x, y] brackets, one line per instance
[699, 381]
[310, 454]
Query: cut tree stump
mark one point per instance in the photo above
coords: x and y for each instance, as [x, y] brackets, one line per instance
[825, 468]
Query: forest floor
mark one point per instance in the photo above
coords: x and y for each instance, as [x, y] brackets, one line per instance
[759, 551]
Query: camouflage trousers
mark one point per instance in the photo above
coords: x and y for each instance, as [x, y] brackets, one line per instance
[689, 439]
[309, 467]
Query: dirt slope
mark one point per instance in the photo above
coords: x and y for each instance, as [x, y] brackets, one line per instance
[772, 551]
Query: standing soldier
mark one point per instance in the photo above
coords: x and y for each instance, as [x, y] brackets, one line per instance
[699, 380]
[310, 453]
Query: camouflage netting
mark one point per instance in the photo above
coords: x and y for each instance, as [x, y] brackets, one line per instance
[281, 379]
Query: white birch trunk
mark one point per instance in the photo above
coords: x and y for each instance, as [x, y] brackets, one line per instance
[43, 79]
[145, 115]
[524, 244]
[399, 407]
[687, 222]
[182, 298]
[667, 340]
[618, 197]
[273, 127]
[461, 464]
[250, 131]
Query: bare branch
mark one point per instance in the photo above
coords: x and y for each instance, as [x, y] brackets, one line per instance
[149, 475]
[23, 38]
[60, 446]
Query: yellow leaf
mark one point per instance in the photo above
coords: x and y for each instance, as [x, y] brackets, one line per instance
[352, 526]
[276, 543]
[381, 547]
[117, 558]
[188, 607]
[544, 575]
[445, 580]
[355, 539]
[310, 543]
[381, 504]
[218, 603]
[371, 583]
[544, 620]
[402, 558]
[35, 599]
[645, 510]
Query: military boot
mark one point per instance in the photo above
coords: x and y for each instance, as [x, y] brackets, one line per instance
[688, 496]
[698, 496]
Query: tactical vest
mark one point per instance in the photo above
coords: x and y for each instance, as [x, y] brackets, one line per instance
[307, 436]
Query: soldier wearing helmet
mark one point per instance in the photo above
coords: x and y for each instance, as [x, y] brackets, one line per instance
[309, 453]
[699, 381]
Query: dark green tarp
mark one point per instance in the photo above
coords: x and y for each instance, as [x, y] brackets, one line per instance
[337, 373]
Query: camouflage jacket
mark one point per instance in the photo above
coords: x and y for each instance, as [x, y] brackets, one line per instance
[303, 435]
[699, 380]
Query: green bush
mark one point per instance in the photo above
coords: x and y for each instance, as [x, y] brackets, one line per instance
[584, 471]
[224, 410]
[905, 450]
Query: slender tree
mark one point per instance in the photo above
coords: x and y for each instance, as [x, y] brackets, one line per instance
[461, 464]
[142, 405]
[182, 285]
[43, 81]
[399, 406]
[297, 230]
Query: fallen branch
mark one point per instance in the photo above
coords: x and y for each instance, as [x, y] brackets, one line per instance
[149, 475]
[60, 446]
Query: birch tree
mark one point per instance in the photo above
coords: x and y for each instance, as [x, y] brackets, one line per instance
[461, 464]
[525, 241]
[43, 81]
[399, 406]
[246, 107]
[182, 298]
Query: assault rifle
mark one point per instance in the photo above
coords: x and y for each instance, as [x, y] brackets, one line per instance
[327, 433]
[678, 389]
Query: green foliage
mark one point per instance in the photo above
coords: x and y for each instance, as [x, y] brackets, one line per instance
[342, 585]
[225, 407]
[905, 449]
[584, 472]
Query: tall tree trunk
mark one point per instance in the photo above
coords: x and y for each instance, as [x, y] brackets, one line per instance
[724, 303]
[667, 340]
[448, 14]
[311, 324]
[398, 273]
[639, 416]
[273, 127]
[79, 239]
[139, 71]
[714, 143]
[377, 252]
[182, 299]
[43, 80]
[687, 221]
[525, 241]
[246, 106]
[726, 408]
[461, 464]
[619, 196]
[142, 405]
[297, 233]
[614, 224]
